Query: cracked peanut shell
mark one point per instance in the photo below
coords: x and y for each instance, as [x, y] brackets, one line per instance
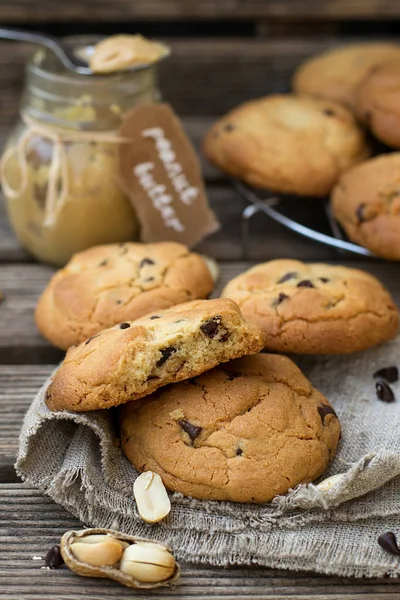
[111, 572]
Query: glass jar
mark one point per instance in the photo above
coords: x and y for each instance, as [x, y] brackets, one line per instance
[60, 171]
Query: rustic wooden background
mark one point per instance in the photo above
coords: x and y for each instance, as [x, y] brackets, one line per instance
[223, 52]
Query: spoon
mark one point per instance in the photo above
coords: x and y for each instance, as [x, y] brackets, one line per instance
[61, 50]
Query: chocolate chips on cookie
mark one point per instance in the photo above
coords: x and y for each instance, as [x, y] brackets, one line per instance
[314, 308]
[244, 438]
[366, 202]
[112, 284]
[317, 141]
[130, 362]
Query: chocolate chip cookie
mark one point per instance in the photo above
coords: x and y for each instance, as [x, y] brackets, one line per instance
[135, 358]
[314, 308]
[246, 431]
[287, 144]
[109, 284]
[366, 202]
[335, 74]
[378, 102]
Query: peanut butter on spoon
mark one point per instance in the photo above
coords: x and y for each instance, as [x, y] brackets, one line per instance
[120, 52]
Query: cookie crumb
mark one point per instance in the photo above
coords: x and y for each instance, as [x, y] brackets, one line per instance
[177, 414]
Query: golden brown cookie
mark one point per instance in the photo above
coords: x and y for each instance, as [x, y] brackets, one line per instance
[245, 431]
[135, 358]
[335, 74]
[314, 308]
[109, 284]
[366, 202]
[378, 102]
[288, 144]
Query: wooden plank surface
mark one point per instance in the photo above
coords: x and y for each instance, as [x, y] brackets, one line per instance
[31, 524]
[18, 385]
[120, 10]
[203, 76]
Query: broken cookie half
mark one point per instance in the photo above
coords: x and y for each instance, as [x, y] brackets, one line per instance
[135, 358]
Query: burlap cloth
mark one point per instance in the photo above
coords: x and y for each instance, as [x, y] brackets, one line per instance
[74, 459]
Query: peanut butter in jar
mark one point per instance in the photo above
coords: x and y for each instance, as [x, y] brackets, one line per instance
[60, 170]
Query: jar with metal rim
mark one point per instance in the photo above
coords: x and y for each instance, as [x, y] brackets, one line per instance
[60, 171]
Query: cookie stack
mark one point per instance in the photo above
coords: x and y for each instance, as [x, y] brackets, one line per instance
[311, 142]
[366, 78]
[199, 405]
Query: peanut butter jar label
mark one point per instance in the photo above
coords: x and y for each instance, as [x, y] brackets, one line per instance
[161, 174]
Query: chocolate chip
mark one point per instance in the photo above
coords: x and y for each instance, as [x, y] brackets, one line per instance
[118, 302]
[152, 377]
[287, 276]
[329, 112]
[360, 213]
[210, 328]
[324, 279]
[103, 263]
[280, 299]
[91, 338]
[384, 391]
[146, 261]
[148, 279]
[229, 127]
[325, 410]
[193, 431]
[390, 374]
[224, 337]
[306, 283]
[154, 317]
[239, 451]
[388, 542]
[53, 558]
[165, 354]
[124, 325]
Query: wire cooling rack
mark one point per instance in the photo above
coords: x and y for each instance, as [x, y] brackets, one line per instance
[278, 207]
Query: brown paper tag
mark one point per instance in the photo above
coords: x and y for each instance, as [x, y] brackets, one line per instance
[161, 174]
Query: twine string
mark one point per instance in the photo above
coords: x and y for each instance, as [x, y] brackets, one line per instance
[57, 184]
